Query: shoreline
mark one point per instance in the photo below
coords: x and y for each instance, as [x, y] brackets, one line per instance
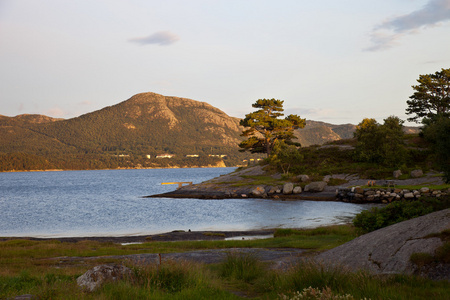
[162, 237]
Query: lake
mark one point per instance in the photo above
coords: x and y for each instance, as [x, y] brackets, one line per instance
[111, 203]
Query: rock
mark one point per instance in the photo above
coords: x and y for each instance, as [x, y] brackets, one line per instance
[258, 191]
[359, 190]
[408, 195]
[272, 190]
[397, 173]
[327, 178]
[369, 193]
[297, 190]
[388, 250]
[303, 178]
[416, 173]
[288, 188]
[316, 186]
[424, 190]
[95, 277]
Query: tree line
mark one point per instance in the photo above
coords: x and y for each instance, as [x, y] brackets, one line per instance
[380, 144]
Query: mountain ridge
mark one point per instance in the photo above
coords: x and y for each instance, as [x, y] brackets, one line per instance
[137, 130]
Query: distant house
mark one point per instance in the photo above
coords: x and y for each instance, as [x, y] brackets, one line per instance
[218, 155]
[165, 156]
[192, 155]
[148, 156]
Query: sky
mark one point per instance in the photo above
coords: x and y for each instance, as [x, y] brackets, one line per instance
[332, 61]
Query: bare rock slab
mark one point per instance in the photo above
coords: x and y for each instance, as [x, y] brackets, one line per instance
[388, 250]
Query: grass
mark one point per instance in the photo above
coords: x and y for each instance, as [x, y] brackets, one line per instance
[35, 267]
[258, 180]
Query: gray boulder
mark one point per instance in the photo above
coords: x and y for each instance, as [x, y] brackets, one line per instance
[297, 190]
[95, 277]
[303, 178]
[397, 174]
[288, 188]
[416, 173]
[388, 250]
[316, 186]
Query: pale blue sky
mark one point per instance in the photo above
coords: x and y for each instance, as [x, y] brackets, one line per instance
[332, 61]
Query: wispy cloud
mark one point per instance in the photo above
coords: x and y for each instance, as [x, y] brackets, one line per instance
[387, 34]
[162, 38]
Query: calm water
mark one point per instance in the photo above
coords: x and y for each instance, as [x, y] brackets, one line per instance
[109, 202]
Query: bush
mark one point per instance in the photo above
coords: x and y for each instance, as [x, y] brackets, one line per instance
[398, 211]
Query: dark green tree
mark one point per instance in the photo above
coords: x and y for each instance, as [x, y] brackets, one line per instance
[285, 156]
[380, 143]
[431, 97]
[264, 127]
[369, 138]
[438, 133]
[393, 144]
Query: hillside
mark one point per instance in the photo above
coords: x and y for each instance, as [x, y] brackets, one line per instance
[133, 133]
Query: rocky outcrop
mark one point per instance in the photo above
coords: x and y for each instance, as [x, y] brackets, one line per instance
[97, 276]
[316, 186]
[388, 250]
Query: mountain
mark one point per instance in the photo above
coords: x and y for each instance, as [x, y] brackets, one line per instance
[127, 135]
[318, 133]
[133, 133]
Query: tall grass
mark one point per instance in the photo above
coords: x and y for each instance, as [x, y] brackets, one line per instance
[359, 285]
[245, 267]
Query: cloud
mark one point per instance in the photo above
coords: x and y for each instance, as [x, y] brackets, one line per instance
[162, 38]
[432, 14]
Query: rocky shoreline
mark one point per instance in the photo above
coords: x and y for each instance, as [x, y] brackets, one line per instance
[243, 184]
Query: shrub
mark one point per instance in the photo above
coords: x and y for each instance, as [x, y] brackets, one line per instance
[398, 211]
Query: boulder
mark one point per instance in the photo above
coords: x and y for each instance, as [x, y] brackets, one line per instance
[416, 173]
[327, 178]
[425, 190]
[258, 191]
[303, 178]
[288, 188]
[297, 190]
[397, 173]
[95, 277]
[408, 195]
[272, 190]
[316, 186]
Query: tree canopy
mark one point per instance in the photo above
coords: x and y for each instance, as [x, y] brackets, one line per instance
[431, 97]
[380, 143]
[264, 126]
